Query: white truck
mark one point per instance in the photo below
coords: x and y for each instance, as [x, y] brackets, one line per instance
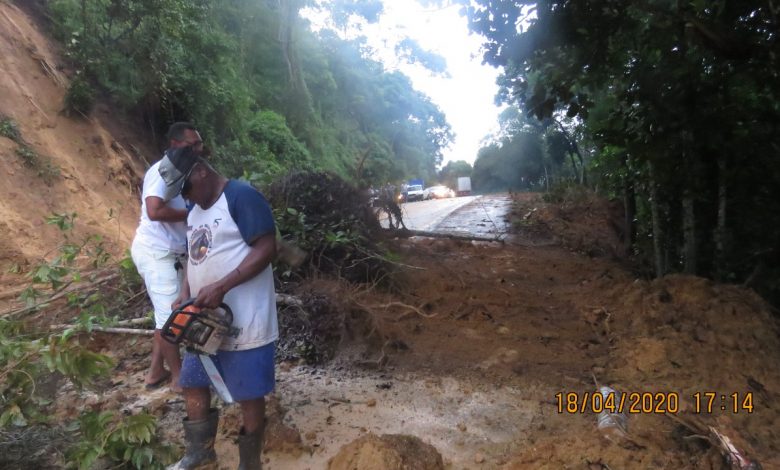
[464, 185]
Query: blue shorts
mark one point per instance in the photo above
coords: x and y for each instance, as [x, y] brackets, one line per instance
[248, 374]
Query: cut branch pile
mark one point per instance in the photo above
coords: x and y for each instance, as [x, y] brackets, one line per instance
[331, 220]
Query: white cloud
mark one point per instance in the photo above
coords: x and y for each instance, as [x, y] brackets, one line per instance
[466, 96]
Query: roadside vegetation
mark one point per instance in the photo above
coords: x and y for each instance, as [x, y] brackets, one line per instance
[671, 108]
[268, 94]
[82, 285]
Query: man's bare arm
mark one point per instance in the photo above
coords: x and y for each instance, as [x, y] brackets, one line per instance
[159, 211]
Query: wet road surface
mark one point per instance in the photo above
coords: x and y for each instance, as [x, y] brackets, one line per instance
[478, 216]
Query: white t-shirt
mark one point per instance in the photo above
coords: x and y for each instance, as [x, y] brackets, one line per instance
[218, 241]
[160, 235]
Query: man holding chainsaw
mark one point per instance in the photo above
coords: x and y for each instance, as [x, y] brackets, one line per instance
[158, 252]
[231, 239]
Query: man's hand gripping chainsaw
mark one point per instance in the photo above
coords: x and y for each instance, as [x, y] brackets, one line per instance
[201, 330]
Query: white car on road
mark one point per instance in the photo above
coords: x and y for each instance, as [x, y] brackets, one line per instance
[413, 193]
[438, 192]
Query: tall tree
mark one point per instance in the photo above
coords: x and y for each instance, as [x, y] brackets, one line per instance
[694, 91]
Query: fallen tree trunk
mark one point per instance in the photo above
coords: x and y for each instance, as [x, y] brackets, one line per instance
[127, 331]
[134, 321]
[450, 235]
[60, 294]
[110, 329]
[283, 299]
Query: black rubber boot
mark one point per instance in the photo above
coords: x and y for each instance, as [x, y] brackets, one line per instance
[250, 448]
[199, 440]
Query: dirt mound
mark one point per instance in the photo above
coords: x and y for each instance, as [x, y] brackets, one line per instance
[687, 335]
[580, 220]
[387, 452]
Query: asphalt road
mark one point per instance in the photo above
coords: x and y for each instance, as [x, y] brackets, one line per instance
[475, 215]
[426, 215]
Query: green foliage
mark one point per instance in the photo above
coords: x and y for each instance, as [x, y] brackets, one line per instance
[271, 128]
[28, 156]
[564, 193]
[29, 358]
[269, 95]
[330, 220]
[687, 89]
[60, 270]
[514, 163]
[46, 170]
[79, 98]
[64, 222]
[123, 439]
[410, 50]
[9, 129]
[26, 358]
[71, 359]
[131, 280]
[527, 155]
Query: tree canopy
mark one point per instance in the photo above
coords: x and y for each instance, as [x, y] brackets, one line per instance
[676, 104]
[268, 93]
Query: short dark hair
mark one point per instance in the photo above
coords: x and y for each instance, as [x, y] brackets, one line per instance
[176, 131]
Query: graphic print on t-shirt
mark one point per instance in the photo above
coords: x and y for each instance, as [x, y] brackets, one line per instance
[200, 244]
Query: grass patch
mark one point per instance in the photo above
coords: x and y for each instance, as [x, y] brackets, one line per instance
[45, 169]
[9, 129]
[29, 157]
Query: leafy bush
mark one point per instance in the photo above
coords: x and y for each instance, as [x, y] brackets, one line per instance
[25, 358]
[29, 157]
[30, 359]
[333, 221]
[79, 98]
[9, 129]
[271, 128]
[565, 192]
[123, 439]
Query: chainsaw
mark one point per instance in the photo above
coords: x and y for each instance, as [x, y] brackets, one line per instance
[201, 330]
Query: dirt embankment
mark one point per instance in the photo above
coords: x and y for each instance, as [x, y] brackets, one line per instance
[54, 163]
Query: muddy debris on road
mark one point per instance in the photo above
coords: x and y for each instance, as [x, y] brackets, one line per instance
[485, 354]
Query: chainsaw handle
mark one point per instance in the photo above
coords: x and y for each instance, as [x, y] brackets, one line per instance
[223, 306]
[173, 331]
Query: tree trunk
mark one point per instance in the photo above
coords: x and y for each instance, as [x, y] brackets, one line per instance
[285, 38]
[689, 234]
[689, 190]
[573, 148]
[546, 179]
[720, 229]
[629, 207]
[689, 161]
[658, 235]
[574, 166]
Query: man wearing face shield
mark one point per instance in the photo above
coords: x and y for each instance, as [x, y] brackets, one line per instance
[159, 252]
